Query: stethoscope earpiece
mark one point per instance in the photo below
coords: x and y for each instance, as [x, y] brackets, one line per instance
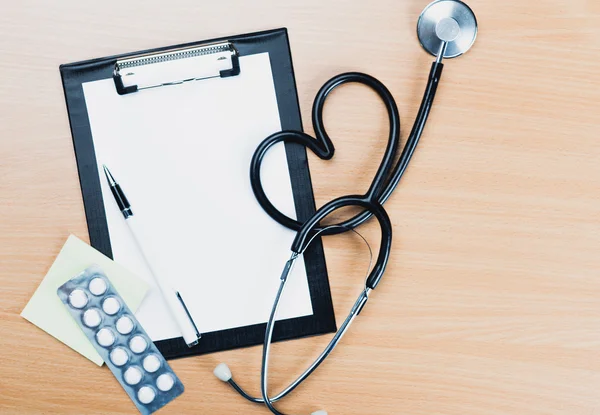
[450, 21]
[223, 372]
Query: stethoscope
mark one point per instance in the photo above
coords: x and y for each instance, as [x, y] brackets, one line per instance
[446, 29]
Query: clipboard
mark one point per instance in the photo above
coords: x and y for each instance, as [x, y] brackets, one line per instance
[104, 95]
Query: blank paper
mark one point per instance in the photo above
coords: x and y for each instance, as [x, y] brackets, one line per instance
[182, 156]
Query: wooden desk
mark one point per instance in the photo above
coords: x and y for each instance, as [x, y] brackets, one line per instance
[490, 304]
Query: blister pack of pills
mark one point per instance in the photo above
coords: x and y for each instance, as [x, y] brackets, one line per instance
[120, 340]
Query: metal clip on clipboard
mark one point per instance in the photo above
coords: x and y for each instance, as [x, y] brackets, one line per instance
[216, 60]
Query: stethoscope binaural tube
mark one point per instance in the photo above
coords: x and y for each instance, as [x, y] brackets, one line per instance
[301, 242]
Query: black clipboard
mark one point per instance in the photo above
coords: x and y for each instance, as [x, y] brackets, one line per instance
[276, 43]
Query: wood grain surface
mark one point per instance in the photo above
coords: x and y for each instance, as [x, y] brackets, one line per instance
[490, 303]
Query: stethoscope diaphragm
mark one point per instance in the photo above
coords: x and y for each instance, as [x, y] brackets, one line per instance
[450, 21]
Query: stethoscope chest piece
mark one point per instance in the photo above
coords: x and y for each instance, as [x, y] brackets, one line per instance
[450, 21]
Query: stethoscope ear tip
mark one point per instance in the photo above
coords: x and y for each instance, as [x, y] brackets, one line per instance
[222, 372]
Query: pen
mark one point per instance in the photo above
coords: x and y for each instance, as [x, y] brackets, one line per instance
[175, 303]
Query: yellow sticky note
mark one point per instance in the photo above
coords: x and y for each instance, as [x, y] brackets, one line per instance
[46, 311]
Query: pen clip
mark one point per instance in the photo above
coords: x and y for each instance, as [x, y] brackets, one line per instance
[188, 313]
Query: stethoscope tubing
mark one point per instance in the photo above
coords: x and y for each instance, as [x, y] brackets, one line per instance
[385, 180]
[373, 207]
[323, 148]
[357, 307]
[384, 183]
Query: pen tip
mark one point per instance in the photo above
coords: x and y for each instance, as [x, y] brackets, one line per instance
[109, 176]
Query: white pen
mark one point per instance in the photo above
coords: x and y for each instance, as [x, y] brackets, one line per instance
[172, 297]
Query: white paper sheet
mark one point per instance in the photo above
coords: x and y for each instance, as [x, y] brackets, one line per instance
[182, 155]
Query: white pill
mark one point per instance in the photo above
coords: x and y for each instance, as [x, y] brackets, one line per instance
[133, 375]
[138, 344]
[151, 363]
[105, 337]
[146, 394]
[124, 325]
[78, 298]
[97, 286]
[165, 382]
[119, 356]
[111, 306]
[91, 318]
